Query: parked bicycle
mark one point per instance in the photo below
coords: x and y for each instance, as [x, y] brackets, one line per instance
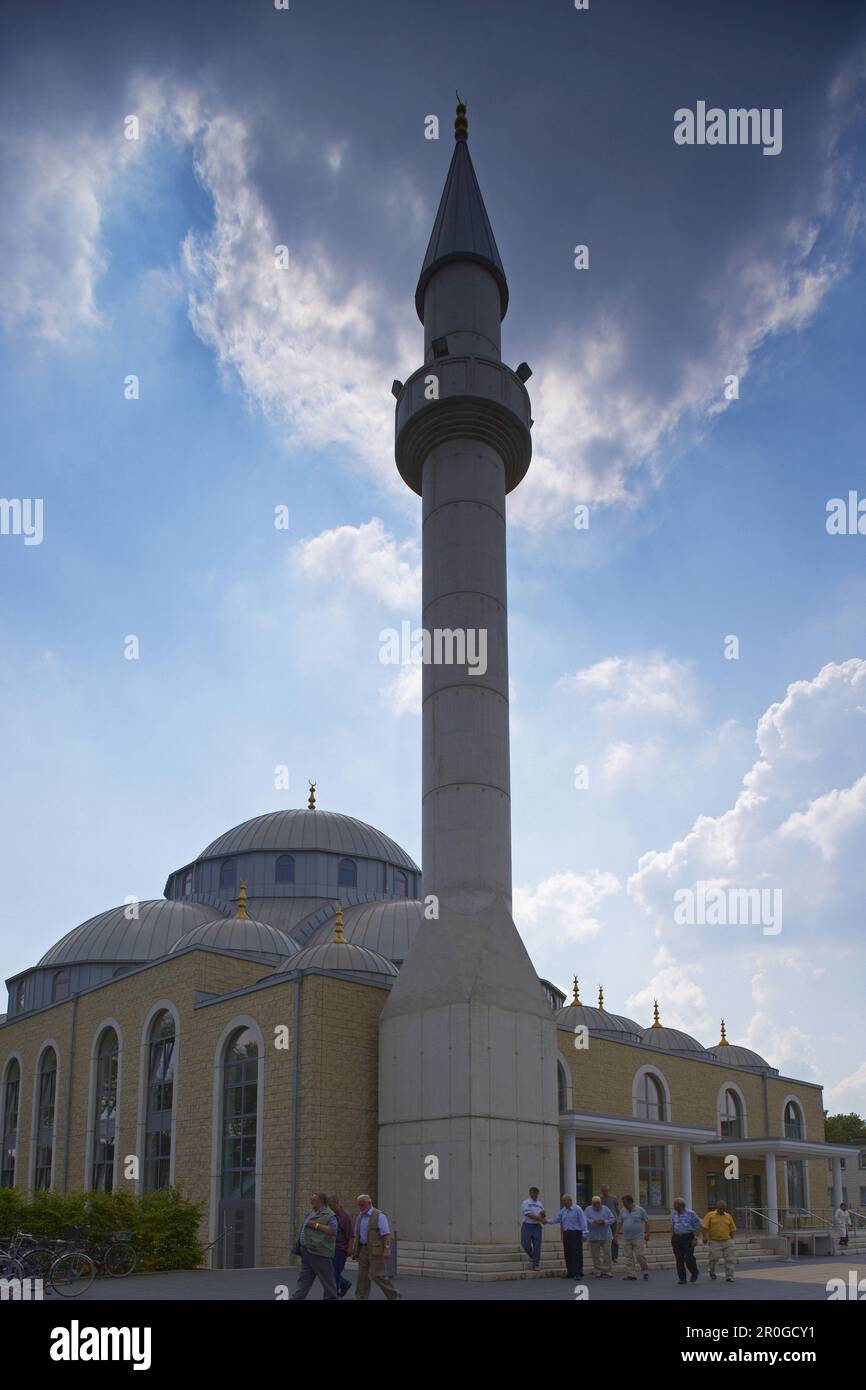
[63, 1266]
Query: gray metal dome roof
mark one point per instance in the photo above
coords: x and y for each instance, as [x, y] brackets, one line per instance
[342, 956]
[599, 1022]
[729, 1054]
[111, 936]
[672, 1040]
[315, 830]
[388, 928]
[239, 934]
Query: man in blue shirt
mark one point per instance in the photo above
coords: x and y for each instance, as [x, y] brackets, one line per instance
[600, 1220]
[684, 1225]
[572, 1222]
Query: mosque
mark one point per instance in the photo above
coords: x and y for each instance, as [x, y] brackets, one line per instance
[298, 1012]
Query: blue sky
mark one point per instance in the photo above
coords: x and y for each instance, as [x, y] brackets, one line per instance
[260, 388]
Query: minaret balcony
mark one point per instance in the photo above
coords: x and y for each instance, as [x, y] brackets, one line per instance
[463, 398]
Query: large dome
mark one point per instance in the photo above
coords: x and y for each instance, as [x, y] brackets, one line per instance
[309, 830]
[113, 936]
[389, 928]
[239, 934]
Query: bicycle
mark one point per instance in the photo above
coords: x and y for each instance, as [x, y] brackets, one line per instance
[116, 1255]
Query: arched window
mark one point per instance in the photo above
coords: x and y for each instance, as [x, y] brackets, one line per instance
[46, 1098]
[731, 1116]
[159, 1101]
[187, 884]
[228, 873]
[11, 1094]
[240, 1112]
[284, 871]
[650, 1098]
[347, 874]
[401, 885]
[20, 996]
[561, 1087]
[60, 985]
[105, 1112]
[794, 1127]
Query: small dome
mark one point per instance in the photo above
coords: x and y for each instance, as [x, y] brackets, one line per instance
[388, 928]
[239, 934]
[732, 1056]
[342, 956]
[672, 1040]
[310, 830]
[115, 936]
[599, 1022]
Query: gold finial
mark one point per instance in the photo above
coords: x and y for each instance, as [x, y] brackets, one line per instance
[656, 1021]
[461, 125]
[311, 804]
[723, 1038]
[339, 938]
[600, 997]
[243, 915]
[576, 995]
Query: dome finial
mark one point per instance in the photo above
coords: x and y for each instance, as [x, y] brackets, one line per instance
[461, 125]
[339, 938]
[576, 994]
[656, 1020]
[243, 915]
[723, 1038]
[600, 997]
[311, 804]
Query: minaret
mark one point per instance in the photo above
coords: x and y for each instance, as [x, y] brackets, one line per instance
[468, 1041]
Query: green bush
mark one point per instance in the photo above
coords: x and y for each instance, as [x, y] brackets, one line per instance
[163, 1225]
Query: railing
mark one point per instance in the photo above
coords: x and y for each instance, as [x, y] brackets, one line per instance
[790, 1220]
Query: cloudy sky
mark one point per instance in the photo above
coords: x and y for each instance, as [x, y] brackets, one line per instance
[262, 388]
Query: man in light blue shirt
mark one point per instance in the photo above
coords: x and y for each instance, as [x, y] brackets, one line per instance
[684, 1224]
[600, 1220]
[634, 1228]
[573, 1224]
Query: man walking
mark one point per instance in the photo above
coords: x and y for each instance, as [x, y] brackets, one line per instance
[634, 1228]
[532, 1218]
[684, 1224]
[345, 1236]
[718, 1228]
[612, 1203]
[371, 1248]
[600, 1220]
[572, 1222]
[843, 1222]
[317, 1240]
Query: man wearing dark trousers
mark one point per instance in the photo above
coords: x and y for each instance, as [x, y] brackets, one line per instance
[317, 1240]
[612, 1203]
[684, 1225]
[572, 1222]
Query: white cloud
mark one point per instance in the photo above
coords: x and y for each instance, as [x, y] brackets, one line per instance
[681, 999]
[848, 1094]
[622, 757]
[651, 685]
[561, 908]
[402, 692]
[366, 557]
[799, 823]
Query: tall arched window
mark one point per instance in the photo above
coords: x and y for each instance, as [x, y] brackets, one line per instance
[159, 1101]
[347, 874]
[794, 1127]
[561, 1087]
[60, 985]
[401, 885]
[228, 873]
[284, 871]
[650, 1098]
[187, 884]
[11, 1095]
[240, 1111]
[46, 1098]
[105, 1112]
[731, 1116]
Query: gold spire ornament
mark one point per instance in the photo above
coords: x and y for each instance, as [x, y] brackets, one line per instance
[339, 938]
[576, 995]
[461, 125]
[243, 915]
[723, 1039]
[600, 997]
[311, 804]
[656, 1021]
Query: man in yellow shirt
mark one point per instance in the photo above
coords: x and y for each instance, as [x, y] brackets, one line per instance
[718, 1228]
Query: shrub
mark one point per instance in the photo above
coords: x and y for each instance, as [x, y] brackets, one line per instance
[163, 1225]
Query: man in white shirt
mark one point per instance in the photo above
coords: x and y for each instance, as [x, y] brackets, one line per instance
[532, 1219]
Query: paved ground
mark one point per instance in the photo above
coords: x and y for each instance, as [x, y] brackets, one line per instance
[788, 1281]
